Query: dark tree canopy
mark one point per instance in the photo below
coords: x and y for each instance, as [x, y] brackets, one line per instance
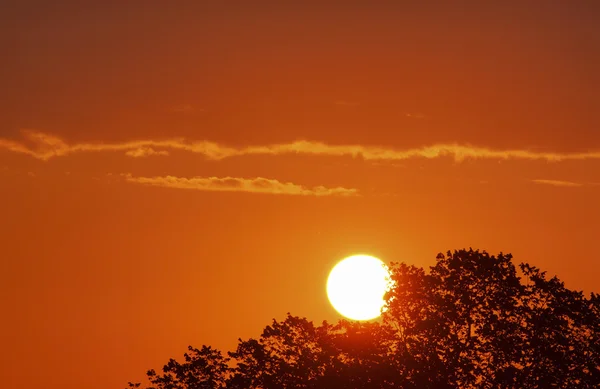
[473, 320]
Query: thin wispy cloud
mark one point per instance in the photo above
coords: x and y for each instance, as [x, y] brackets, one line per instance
[237, 184]
[44, 146]
[15, 147]
[558, 183]
[145, 152]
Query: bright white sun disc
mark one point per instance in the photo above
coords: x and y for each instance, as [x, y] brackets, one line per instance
[356, 287]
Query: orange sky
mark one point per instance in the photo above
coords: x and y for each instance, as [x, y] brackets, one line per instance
[181, 174]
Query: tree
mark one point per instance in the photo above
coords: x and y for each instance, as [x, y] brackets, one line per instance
[458, 322]
[473, 320]
[202, 369]
[296, 354]
[471, 323]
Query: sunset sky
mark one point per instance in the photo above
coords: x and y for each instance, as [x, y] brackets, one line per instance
[177, 173]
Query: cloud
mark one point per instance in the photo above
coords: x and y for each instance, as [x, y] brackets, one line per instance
[44, 146]
[15, 147]
[236, 184]
[145, 152]
[558, 183]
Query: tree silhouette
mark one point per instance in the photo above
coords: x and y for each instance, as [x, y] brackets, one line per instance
[473, 320]
[203, 369]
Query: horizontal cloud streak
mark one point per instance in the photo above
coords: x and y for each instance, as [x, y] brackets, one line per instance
[145, 152]
[558, 183]
[45, 147]
[16, 147]
[236, 184]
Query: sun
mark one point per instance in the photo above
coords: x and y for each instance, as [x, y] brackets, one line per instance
[356, 287]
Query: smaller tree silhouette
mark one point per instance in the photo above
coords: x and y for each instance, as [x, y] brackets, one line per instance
[206, 368]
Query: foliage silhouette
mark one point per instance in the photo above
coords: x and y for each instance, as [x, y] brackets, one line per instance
[473, 320]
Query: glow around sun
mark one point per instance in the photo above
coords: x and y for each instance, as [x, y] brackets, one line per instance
[356, 287]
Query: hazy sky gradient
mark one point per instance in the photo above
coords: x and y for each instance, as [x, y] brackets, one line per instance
[124, 244]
